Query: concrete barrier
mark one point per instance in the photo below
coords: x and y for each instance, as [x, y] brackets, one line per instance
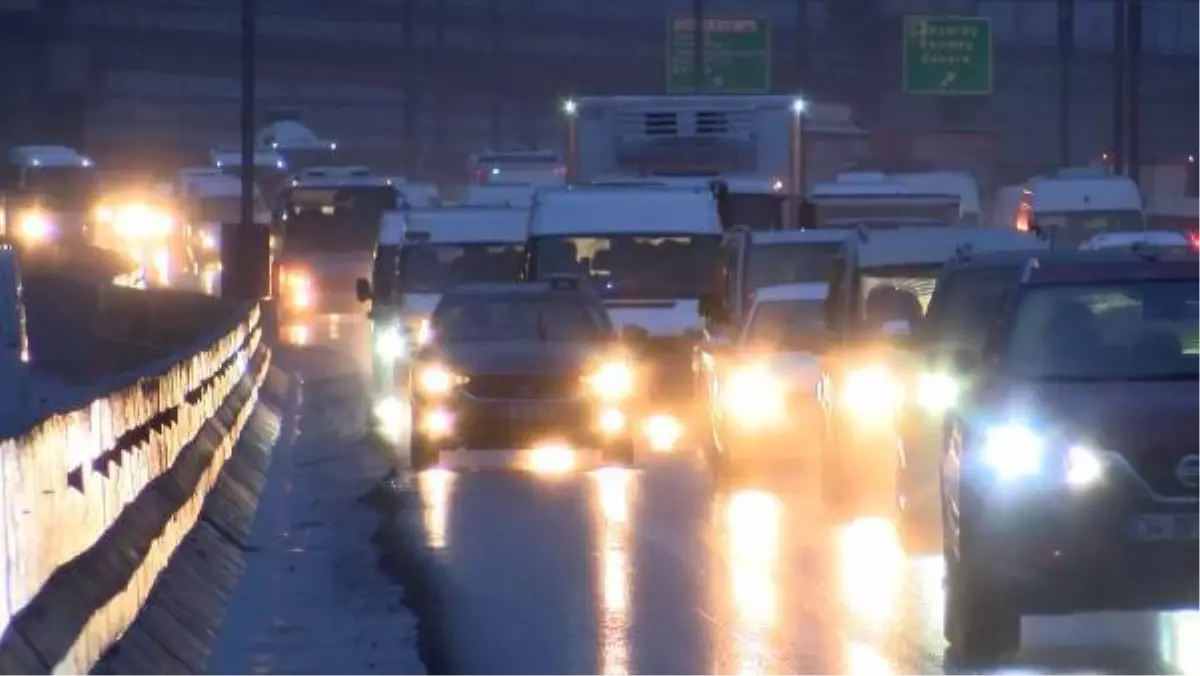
[94, 501]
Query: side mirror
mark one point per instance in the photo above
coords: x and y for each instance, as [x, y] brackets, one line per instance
[362, 288]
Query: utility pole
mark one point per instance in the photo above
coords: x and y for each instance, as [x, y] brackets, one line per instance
[803, 42]
[1066, 54]
[249, 77]
[1134, 46]
[409, 76]
[442, 171]
[498, 82]
[698, 51]
[1120, 33]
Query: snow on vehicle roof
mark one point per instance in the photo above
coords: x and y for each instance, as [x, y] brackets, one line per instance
[453, 225]
[737, 183]
[930, 245]
[947, 182]
[233, 158]
[47, 156]
[797, 291]
[1084, 189]
[624, 209]
[769, 237]
[1117, 240]
[501, 194]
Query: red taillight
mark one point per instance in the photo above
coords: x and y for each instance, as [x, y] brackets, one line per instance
[1194, 240]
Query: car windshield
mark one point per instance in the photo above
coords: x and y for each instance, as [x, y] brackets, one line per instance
[508, 318]
[1071, 228]
[635, 266]
[963, 309]
[66, 188]
[901, 293]
[787, 324]
[335, 219]
[754, 210]
[431, 268]
[790, 263]
[1140, 330]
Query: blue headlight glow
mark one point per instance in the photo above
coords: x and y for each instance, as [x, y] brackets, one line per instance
[1014, 451]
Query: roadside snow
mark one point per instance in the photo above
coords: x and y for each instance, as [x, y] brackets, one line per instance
[314, 599]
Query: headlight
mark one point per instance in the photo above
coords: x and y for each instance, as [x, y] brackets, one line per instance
[390, 344]
[34, 226]
[140, 221]
[754, 396]
[207, 241]
[613, 380]
[1014, 451]
[937, 392]
[298, 288]
[438, 380]
[872, 392]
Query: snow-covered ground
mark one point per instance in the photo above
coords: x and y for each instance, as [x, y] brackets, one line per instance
[314, 598]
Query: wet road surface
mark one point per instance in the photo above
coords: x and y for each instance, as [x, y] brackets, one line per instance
[653, 570]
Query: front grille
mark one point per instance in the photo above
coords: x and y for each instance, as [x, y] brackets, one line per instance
[1157, 467]
[521, 387]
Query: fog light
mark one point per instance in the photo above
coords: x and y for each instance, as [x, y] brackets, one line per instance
[437, 423]
[663, 432]
[612, 421]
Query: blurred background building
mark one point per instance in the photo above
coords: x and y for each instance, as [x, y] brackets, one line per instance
[416, 85]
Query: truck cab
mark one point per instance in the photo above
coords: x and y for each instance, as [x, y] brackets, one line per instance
[50, 194]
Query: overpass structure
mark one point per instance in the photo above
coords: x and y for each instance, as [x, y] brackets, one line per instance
[121, 411]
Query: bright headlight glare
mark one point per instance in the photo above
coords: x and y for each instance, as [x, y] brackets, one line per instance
[937, 392]
[612, 380]
[752, 395]
[872, 391]
[437, 380]
[1013, 451]
[34, 226]
[138, 220]
[1085, 466]
[390, 344]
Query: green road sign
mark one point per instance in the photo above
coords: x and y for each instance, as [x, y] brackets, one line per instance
[947, 55]
[737, 55]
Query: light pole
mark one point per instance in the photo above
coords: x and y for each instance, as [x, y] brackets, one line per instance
[570, 109]
[796, 178]
[249, 47]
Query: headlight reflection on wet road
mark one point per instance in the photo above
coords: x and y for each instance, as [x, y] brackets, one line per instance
[437, 487]
[615, 488]
[753, 521]
[871, 568]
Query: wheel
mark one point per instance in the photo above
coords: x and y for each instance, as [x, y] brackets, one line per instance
[981, 623]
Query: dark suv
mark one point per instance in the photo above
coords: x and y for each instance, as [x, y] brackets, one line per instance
[1069, 469]
[512, 366]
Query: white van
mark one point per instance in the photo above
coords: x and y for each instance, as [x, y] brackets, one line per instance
[1078, 203]
[652, 253]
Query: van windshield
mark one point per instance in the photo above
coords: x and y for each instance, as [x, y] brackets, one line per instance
[432, 268]
[635, 266]
[1075, 227]
[790, 263]
[757, 211]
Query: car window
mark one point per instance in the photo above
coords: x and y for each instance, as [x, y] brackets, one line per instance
[1145, 330]
[514, 318]
[787, 324]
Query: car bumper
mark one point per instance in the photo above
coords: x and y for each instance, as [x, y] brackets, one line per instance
[1063, 553]
[521, 424]
[799, 434]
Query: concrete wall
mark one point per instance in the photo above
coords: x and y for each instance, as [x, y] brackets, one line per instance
[94, 501]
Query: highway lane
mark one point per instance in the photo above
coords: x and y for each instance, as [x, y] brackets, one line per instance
[654, 570]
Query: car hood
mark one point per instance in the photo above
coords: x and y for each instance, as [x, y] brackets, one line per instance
[1113, 415]
[517, 358]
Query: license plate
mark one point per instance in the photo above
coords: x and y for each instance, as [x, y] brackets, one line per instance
[1165, 527]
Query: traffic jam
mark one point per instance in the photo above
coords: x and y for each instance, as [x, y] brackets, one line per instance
[763, 381]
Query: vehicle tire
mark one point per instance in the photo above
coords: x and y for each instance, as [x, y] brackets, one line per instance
[981, 623]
